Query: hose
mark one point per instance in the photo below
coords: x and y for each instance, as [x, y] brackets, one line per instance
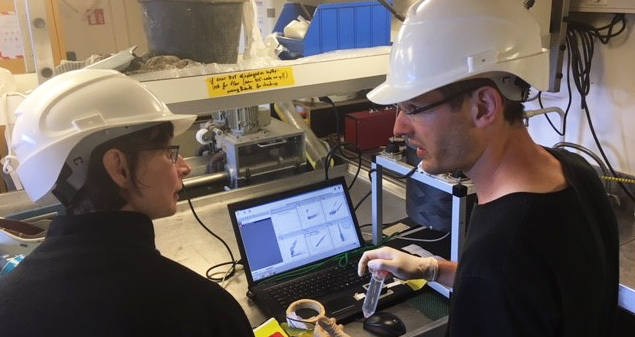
[605, 170]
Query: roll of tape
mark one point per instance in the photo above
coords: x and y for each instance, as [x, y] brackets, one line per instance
[299, 322]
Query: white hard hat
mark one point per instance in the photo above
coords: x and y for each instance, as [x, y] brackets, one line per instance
[445, 41]
[90, 104]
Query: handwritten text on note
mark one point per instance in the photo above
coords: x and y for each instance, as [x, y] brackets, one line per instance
[237, 83]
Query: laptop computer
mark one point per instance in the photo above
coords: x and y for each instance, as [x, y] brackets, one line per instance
[304, 235]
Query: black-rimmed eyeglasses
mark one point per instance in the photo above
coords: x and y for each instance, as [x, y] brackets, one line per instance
[445, 100]
[171, 151]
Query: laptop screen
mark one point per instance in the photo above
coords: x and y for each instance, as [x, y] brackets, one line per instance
[299, 227]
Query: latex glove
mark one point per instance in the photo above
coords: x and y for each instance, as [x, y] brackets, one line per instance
[400, 264]
[326, 327]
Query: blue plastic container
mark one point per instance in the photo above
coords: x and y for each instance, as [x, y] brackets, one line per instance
[336, 26]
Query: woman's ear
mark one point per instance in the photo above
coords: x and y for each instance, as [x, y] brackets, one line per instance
[489, 105]
[116, 165]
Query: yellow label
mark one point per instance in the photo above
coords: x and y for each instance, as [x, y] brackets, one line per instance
[237, 83]
[416, 284]
[270, 328]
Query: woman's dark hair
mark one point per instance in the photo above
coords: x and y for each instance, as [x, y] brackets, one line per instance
[100, 193]
[513, 110]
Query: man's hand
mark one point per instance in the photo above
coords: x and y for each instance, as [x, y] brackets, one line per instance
[326, 327]
[402, 265]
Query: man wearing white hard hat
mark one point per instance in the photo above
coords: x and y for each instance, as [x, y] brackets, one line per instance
[540, 257]
[101, 143]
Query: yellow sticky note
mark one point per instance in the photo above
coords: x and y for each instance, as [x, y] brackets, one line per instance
[416, 284]
[270, 328]
[248, 81]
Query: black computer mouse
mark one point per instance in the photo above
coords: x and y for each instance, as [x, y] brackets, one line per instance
[385, 324]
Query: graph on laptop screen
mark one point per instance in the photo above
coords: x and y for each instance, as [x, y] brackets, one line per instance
[299, 230]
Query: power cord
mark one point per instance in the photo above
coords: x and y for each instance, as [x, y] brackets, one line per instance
[328, 100]
[401, 237]
[581, 45]
[370, 175]
[569, 100]
[232, 270]
[330, 155]
[391, 9]
[339, 145]
[564, 122]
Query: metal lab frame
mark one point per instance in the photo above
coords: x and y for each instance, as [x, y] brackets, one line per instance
[459, 191]
[36, 39]
[344, 75]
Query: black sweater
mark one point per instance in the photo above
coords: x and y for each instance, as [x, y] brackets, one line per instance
[540, 264]
[100, 275]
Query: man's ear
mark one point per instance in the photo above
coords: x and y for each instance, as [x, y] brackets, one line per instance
[116, 164]
[488, 107]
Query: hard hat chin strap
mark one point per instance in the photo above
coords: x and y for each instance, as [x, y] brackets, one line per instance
[63, 191]
[10, 161]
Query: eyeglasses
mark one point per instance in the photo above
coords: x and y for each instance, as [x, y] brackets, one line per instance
[429, 107]
[171, 152]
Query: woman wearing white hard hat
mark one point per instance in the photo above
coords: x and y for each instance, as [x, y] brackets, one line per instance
[540, 257]
[101, 143]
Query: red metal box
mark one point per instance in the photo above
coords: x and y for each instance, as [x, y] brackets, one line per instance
[369, 129]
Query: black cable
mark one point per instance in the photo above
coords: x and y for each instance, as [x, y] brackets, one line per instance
[359, 203]
[370, 172]
[359, 167]
[362, 200]
[569, 91]
[391, 9]
[338, 127]
[329, 157]
[409, 174]
[370, 178]
[564, 123]
[581, 43]
[233, 262]
[608, 164]
[309, 16]
[370, 224]
[328, 100]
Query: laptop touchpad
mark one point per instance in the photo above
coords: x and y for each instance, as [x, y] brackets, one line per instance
[334, 306]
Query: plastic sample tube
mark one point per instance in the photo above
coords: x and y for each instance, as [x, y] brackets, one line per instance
[374, 290]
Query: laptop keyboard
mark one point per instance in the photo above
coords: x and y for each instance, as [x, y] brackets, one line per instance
[317, 284]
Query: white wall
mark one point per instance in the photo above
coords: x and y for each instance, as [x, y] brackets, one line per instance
[611, 100]
[122, 28]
